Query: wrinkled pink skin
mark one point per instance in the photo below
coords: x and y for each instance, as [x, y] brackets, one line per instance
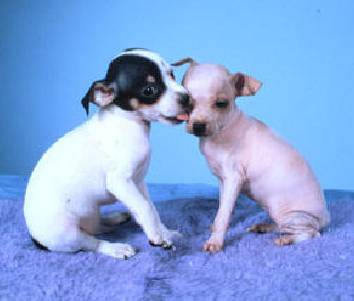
[245, 155]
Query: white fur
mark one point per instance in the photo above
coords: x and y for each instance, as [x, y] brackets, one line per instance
[102, 161]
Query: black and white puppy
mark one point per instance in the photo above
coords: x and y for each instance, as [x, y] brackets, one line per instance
[105, 160]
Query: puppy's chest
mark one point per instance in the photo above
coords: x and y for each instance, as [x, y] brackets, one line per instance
[217, 158]
[127, 146]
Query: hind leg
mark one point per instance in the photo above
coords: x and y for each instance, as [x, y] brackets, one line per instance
[89, 243]
[297, 226]
[73, 239]
[92, 223]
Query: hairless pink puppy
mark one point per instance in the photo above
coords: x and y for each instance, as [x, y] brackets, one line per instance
[246, 156]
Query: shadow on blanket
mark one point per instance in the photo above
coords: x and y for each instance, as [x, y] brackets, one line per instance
[250, 267]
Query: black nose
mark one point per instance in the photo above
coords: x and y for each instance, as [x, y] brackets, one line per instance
[184, 99]
[199, 128]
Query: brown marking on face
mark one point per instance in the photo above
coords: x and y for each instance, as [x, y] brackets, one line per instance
[150, 79]
[137, 105]
[134, 102]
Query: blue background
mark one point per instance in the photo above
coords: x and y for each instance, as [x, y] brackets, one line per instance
[302, 51]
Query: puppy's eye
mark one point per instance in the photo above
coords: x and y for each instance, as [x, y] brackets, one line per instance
[172, 75]
[150, 91]
[221, 103]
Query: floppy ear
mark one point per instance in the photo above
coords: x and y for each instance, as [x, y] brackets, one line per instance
[245, 85]
[100, 93]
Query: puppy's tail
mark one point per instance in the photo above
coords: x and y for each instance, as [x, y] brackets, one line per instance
[39, 245]
[187, 60]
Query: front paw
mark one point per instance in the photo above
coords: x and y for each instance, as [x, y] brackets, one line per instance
[165, 239]
[161, 243]
[212, 246]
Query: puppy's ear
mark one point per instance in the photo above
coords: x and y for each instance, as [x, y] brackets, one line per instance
[245, 85]
[100, 93]
[187, 60]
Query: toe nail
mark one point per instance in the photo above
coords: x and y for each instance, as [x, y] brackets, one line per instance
[152, 243]
[167, 247]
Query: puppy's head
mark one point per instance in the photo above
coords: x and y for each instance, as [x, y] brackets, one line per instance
[212, 90]
[140, 80]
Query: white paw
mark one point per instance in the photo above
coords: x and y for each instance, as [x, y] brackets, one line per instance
[166, 238]
[116, 250]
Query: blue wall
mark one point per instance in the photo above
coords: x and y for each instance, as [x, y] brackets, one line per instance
[303, 52]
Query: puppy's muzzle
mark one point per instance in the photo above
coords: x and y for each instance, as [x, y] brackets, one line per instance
[199, 129]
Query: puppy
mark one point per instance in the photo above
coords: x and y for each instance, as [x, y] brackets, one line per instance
[246, 156]
[105, 160]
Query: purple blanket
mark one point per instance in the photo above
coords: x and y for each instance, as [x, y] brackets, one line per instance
[251, 267]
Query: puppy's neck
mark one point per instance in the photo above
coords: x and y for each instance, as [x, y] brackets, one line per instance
[233, 118]
[114, 114]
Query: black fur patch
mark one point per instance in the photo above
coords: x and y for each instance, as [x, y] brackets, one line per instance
[39, 245]
[130, 73]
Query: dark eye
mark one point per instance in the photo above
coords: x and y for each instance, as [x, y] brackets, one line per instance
[221, 103]
[150, 91]
[172, 75]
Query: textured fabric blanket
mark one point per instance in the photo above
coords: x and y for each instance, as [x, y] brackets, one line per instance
[251, 267]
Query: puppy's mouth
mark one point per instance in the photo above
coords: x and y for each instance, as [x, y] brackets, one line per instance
[183, 117]
[197, 134]
[175, 119]
[171, 119]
